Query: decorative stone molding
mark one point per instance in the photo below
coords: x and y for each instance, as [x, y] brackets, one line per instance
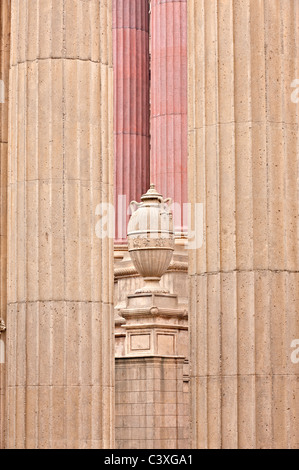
[178, 266]
[154, 325]
[130, 271]
[125, 272]
[150, 243]
[2, 326]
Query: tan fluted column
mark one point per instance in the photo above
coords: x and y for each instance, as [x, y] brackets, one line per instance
[60, 278]
[244, 280]
[4, 70]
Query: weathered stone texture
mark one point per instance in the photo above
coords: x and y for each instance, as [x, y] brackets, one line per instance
[60, 274]
[4, 87]
[150, 410]
[243, 166]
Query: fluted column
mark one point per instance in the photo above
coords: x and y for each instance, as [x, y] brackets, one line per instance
[60, 274]
[131, 106]
[4, 70]
[169, 102]
[244, 281]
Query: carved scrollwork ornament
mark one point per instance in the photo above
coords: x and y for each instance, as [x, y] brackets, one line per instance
[2, 326]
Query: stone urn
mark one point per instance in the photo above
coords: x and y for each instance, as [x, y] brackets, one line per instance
[151, 238]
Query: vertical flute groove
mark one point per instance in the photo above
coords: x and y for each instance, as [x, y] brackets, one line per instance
[60, 273]
[244, 145]
[4, 98]
[131, 105]
[169, 102]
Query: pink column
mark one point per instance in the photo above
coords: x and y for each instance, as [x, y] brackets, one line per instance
[169, 101]
[131, 106]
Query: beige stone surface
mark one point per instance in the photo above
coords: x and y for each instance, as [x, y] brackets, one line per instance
[60, 339]
[56, 276]
[150, 404]
[4, 71]
[243, 166]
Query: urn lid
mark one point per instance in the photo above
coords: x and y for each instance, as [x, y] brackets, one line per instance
[152, 195]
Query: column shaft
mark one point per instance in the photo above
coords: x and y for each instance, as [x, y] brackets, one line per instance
[244, 281]
[4, 72]
[169, 102]
[60, 273]
[131, 106]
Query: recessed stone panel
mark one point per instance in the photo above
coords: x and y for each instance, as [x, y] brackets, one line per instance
[140, 342]
[166, 344]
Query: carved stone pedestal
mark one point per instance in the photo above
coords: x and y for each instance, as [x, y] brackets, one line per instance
[152, 373]
[154, 325]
